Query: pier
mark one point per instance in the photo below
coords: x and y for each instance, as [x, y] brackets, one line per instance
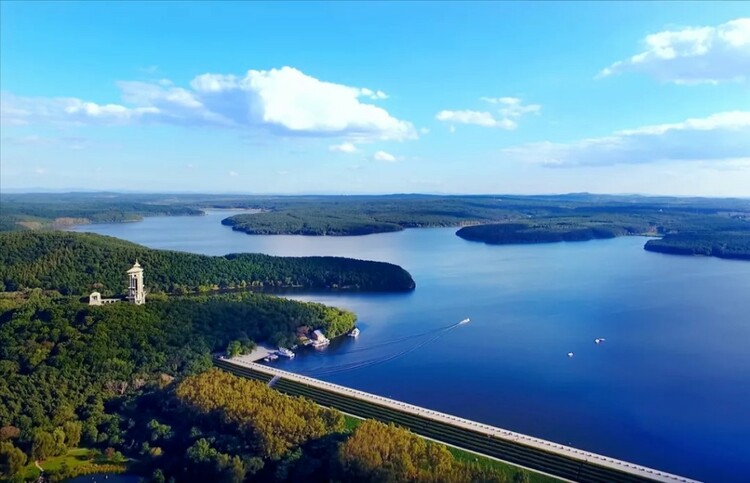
[518, 449]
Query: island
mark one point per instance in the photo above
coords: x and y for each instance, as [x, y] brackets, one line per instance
[731, 245]
[77, 263]
[510, 218]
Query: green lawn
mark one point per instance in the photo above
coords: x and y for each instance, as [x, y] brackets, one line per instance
[351, 423]
[74, 459]
[506, 469]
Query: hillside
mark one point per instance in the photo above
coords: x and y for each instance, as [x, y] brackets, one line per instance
[77, 263]
[137, 381]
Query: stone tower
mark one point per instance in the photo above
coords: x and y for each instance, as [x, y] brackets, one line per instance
[136, 293]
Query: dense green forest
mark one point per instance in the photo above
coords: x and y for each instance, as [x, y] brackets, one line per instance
[722, 244]
[136, 383]
[346, 217]
[46, 210]
[683, 233]
[553, 230]
[365, 215]
[77, 263]
[548, 218]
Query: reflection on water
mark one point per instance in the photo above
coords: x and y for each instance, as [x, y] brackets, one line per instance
[666, 389]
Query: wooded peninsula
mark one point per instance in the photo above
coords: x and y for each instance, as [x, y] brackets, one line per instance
[78, 263]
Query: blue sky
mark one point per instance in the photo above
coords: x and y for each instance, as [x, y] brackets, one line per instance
[441, 97]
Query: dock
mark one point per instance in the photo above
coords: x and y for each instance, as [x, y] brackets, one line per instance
[517, 449]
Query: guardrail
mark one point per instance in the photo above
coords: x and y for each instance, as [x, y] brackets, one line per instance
[618, 470]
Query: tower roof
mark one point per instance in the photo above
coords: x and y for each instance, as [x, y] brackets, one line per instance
[136, 267]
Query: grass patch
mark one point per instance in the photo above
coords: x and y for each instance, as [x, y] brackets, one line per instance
[351, 423]
[75, 462]
[508, 470]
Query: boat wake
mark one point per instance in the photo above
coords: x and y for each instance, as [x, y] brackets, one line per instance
[331, 370]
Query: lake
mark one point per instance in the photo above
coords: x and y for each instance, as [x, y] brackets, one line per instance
[668, 388]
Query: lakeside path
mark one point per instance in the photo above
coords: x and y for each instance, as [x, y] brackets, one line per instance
[514, 448]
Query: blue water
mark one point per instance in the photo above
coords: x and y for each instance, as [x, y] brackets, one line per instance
[105, 478]
[669, 388]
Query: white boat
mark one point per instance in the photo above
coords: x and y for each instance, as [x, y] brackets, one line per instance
[354, 332]
[271, 357]
[570, 354]
[600, 340]
[284, 352]
[317, 344]
[465, 321]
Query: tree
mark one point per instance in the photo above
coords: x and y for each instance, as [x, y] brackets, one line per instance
[379, 452]
[43, 445]
[12, 459]
[9, 432]
[159, 431]
[73, 431]
[234, 348]
[157, 476]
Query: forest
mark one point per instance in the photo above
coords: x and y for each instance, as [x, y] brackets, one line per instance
[681, 234]
[77, 263]
[721, 244]
[709, 226]
[135, 383]
[57, 210]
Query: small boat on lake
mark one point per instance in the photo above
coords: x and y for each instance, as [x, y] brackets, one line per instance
[570, 354]
[354, 332]
[284, 352]
[319, 344]
[465, 321]
[599, 340]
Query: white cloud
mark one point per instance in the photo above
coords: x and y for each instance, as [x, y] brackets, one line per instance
[383, 156]
[343, 148]
[23, 111]
[509, 108]
[477, 118]
[719, 138]
[233, 173]
[693, 55]
[40, 171]
[284, 101]
[513, 107]
[373, 94]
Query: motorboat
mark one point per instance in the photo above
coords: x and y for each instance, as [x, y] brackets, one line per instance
[284, 352]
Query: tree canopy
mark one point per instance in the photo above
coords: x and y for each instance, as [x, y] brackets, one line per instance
[78, 263]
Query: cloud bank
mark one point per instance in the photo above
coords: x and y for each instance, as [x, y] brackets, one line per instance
[284, 101]
[509, 108]
[719, 138]
[693, 55]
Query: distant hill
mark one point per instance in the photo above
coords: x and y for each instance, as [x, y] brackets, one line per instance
[77, 263]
